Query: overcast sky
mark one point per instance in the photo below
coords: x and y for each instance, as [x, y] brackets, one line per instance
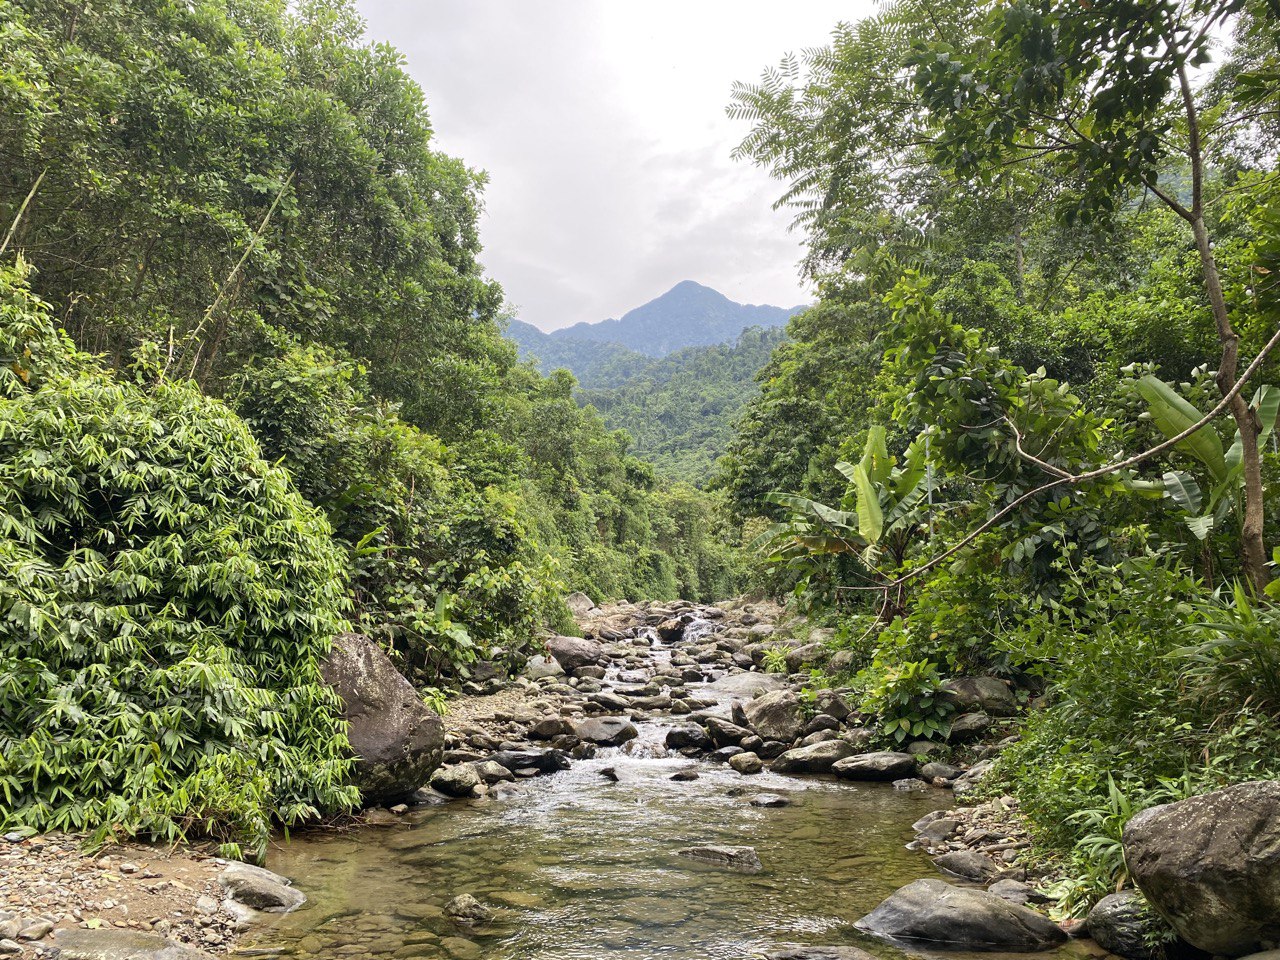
[601, 124]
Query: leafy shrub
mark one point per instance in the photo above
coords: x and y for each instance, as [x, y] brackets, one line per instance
[443, 572]
[166, 599]
[907, 697]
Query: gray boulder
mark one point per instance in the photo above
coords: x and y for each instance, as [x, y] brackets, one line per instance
[539, 667]
[467, 910]
[1121, 924]
[968, 726]
[800, 952]
[744, 859]
[1210, 866]
[574, 652]
[882, 766]
[937, 914]
[818, 758]
[726, 734]
[397, 740]
[688, 736]
[260, 889]
[106, 944]
[606, 731]
[776, 716]
[544, 761]
[972, 778]
[579, 604]
[968, 865]
[984, 694]
[457, 781]
[747, 763]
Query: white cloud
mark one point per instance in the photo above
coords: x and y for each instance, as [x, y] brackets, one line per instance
[602, 126]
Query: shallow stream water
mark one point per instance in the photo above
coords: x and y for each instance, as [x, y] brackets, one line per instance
[578, 866]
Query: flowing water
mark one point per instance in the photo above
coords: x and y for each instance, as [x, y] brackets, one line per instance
[578, 866]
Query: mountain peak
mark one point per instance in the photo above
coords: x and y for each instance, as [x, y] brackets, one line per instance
[690, 314]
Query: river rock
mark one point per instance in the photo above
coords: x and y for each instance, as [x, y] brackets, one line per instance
[544, 761]
[969, 726]
[1210, 866]
[799, 952]
[1120, 924]
[744, 859]
[458, 781]
[606, 731]
[882, 766]
[832, 704]
[968, 865]
[747, 763]
[548, 728]
[467, 910]
[726, 734]
[106, 944]
[539, 667]
[491, 772]
[940, 771]
[687, 736]
[971, 778]
[937, 914]
[396, 738]
[769, 800]
[982, 694]
[260, 889]
[574, 652]
[800, 657]
[817, 758]
[1015, 891]
[579, 604]
[776, 716]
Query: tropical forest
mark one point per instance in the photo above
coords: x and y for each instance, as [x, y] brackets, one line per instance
[365, 593]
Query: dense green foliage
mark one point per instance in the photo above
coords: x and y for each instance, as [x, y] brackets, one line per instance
[166, 600]
[246, 196]
[681, 409]
[1039, 268]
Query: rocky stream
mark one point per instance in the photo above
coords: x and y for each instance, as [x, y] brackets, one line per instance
[648, 791]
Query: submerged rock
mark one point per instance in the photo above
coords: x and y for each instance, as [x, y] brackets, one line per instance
[397, 740]
[943, 916]
[467, 910]
[1210, 866]
[799, 952]
[736, 858]
[108, 944]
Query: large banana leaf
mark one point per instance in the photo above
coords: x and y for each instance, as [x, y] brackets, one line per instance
[870, 516]
[1183, 490]
[875, 457]
[1173, 414]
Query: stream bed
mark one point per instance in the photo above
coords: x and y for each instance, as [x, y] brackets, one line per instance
[585, 863]
[578, 866]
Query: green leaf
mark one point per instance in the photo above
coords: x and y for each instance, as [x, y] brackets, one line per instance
[1173, 414]
[1183, 490]
[870, 516]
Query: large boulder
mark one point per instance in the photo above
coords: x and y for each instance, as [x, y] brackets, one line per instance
[574, 652]
[937, 914]
[1120, 923]
[981, 694]
[776, 716]
[397, 740]
[816, 758]
[579, 604]
[1210, 866]
[883, 766]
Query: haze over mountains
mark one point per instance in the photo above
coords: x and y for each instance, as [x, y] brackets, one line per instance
[612, 351]
[674, 373]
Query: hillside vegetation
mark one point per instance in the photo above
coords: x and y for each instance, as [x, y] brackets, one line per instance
[282, 405]
[1028, 430]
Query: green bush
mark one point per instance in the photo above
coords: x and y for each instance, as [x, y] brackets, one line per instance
[443, 572]
[167, 597]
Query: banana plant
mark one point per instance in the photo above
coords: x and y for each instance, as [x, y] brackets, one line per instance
[1172, 413]
[878, 515]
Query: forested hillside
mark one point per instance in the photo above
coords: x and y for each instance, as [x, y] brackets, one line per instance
[281, 350]
[1028, 431]
[681, 409]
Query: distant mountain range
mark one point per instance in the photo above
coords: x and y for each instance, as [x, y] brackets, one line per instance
[612, 351]
[674, 373]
